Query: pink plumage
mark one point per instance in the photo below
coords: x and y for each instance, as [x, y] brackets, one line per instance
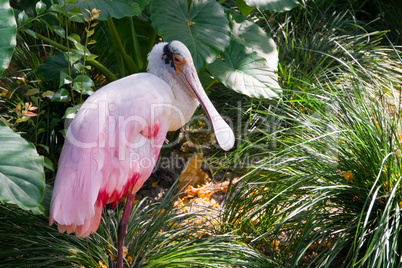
[111, 147]
[114, 141]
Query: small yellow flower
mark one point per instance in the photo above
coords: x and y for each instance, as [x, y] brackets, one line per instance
[72, 252]
[101, 265]
[5, 93]
[348, 175]
[160, 211]
[328, 244]
[154, 184]
[275, 244]
[172, 224]
[130, 260]
[95, 13]
[254, 192]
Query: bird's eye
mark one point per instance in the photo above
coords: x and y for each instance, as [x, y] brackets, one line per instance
[177, 59]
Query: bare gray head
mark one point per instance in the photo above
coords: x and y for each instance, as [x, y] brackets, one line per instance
[169, 57]
[173, 52]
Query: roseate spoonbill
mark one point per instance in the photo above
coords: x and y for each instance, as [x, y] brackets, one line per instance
[113, 142]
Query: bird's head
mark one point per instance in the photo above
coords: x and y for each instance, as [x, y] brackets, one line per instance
[173, 61]
[176, 57]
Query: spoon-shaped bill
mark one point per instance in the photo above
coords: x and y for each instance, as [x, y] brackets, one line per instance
[223, 133]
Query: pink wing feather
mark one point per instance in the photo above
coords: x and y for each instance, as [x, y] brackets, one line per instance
[111, 148]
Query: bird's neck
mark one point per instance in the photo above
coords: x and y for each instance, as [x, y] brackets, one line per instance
[184, 105]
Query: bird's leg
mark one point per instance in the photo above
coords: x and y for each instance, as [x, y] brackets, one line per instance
[122, 231]
[111, 263]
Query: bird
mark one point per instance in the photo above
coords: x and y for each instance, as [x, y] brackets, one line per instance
[114, 141]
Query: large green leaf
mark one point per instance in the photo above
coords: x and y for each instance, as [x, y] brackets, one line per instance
[244, 9]
[254, 38]
[247, 73]
[53, 66]
[22, 177]
[111, 9]
[61, 95]
[8, 31]
[203, 26]
[273, 5]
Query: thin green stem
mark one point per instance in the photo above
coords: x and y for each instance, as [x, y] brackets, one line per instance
[151, 44]
[119, 60]
[103, 69]
[137, 49]
[37, 122]
[211, 84]
[128, 61]
[94, 63]
[51, 42]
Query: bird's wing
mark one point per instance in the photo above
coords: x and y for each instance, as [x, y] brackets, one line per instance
[111, 148]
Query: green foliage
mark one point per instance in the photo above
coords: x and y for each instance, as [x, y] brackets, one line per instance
[8, 28]
[40, 7]
[205, 38]
[246, 73]
[111, 9]
[324, 186]
[22, 179]
[159, 235]
[329, 193]
[244, 9]
[66, 70]
[273, 5]
[319, 167]
[53, 66]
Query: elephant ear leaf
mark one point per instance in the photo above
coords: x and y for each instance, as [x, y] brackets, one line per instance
[8, 32]
[111, 9]
[273, 5]
[22, 177]
[255, 39]
[249, 64]
[246, 73]
[200, 24]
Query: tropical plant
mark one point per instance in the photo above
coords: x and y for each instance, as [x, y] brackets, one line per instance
[69, 33]
[55, 67]
[160, 235]
[325, 188]
[317, 171]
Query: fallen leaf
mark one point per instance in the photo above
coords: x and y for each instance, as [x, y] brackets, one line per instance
[192, 173]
